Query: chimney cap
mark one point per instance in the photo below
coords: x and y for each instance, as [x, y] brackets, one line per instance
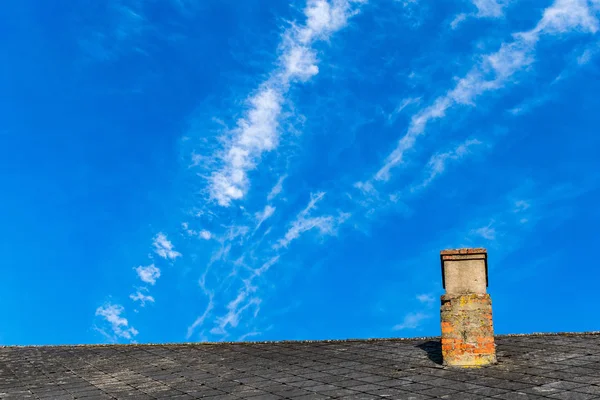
[456, 252]
[462, 254]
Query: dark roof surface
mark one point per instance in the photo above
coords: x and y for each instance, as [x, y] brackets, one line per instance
[563, 366]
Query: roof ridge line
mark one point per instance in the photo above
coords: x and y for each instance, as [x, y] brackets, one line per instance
[589, 333]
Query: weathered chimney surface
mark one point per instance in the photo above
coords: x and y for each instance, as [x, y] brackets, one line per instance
[466, 311]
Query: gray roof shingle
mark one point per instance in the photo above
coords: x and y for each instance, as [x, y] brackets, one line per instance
[550, 366]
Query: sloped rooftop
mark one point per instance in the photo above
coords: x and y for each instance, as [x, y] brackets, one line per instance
[555, 366]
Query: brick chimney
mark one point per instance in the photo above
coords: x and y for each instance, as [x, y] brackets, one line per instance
[466, 311]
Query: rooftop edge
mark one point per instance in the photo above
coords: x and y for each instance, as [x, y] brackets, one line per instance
[534, 334]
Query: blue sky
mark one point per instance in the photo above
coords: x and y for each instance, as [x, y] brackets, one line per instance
[212, 170]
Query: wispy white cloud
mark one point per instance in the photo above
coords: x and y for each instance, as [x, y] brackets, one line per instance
[264, 267]
[148, 274]
[530, 104]
[495, 70]
[413, 13]
[437, 163]
[200, 320]
[521, 205]
[487, 232]
[485, 9]
[203, 234]
[551, 92]
[247, 335]
[411, 321]
[324, 18]
[141, 297]
[326, 225]
[566, 15]
[164, 248]
[407, 3]
[276, 189]
[366, 188]
[119, 325]
[299, 62]
[489, 8]
[209, 307]
[257, 132]
[234, 232]
[586, 56]
[245, 299]
[407, 102]
[426, 298]
[236, 307]
[186, 227]
[458, 20]
[264, 215]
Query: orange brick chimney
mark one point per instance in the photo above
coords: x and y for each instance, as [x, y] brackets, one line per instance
[466, 311]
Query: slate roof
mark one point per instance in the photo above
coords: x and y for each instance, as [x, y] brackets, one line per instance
[554, 366]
